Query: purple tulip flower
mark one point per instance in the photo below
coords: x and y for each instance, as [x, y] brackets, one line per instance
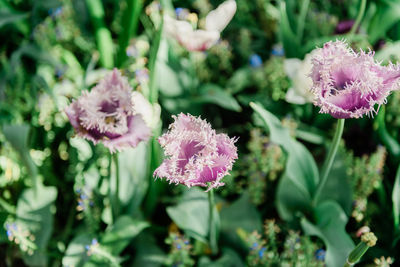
[196, 154]
[107, 114]
[347, 84]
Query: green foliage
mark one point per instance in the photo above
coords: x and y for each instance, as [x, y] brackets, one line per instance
[330, 227]
[58, 192]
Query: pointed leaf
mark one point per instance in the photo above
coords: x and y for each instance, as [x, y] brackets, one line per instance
[330, 227]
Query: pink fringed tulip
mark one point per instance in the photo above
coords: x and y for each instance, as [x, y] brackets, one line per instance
[196, 154]
[348, 84]
[107, 114]
[200, 40]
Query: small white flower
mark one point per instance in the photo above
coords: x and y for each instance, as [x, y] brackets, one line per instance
[298, 71]
[200, 40]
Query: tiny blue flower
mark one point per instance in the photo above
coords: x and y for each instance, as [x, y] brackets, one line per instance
[9, 233]
[55, 12]
[278, 51]
[320, 254]
[261, 252]
[178, 11]
[255, 61]
[178, 246]
[94, 241]
[87, 247]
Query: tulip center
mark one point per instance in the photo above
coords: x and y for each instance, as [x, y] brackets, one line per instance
[341, 78]
[189, 150]
[110, 110]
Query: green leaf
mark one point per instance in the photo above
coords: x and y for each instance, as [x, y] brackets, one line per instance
[300, 179]
[191, 214]
[133, 177]
[18, 136]
[240, 79]
[396, 200]
[34, 213]
[7, 17]
[241, 214]
[147, 252]
[337, 186]
[212, 93]
[330, 227]
[170, 76]
[229, 258]
[386, 15]
[289, 39]
[120, 234]
[76, 252]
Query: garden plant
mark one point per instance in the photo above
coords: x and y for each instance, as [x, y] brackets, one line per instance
[209, 133]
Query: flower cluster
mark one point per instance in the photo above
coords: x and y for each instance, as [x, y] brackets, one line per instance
[347, 84]
[196, 154]
[200, 40]
[181, 250]
[110, 114]
[296, 250]
[366, 173]
[90, 249]
[258, 170]
[21, 237]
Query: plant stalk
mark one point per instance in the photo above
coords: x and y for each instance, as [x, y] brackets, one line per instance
[102, 34]
[130, 21]
[360, 15]
[116, 206]
[329, 160]
[212, 224]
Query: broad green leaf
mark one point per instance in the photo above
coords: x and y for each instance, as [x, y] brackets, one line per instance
[147, 252]
[330, 227]
[386, 15]
[191, 214]
[34, 213]
[240, 79]
[229, 258]
[300, 178]
[170, 76]
[133, 177]
[396, 199]
[76, 254]
[121, 233]
[212, 93]
[241, 214]
[338, 187]
[18, 136]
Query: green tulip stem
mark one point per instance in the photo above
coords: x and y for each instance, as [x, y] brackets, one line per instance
[212, 224]
[329, 160]
[116, 206]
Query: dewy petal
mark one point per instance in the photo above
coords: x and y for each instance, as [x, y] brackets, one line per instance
[195, 154]
[348, 84]
[106, 114]
[220, 17]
